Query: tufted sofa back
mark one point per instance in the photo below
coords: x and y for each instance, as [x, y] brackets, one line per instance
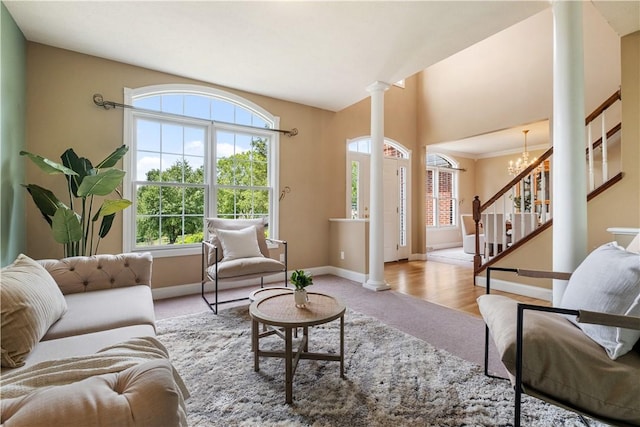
[84, 274]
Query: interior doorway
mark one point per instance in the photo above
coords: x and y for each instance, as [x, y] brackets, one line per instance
[396, 192]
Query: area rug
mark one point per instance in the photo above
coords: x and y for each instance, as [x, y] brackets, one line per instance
[451, 256]
[392, 379]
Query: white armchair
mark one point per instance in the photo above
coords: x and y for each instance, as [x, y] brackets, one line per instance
[235, 251]
[468, 227]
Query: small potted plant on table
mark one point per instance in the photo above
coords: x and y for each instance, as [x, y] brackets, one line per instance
[301, 280]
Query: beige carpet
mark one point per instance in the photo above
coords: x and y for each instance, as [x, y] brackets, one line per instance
[392, 379]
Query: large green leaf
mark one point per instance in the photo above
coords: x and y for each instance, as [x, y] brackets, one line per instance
[112, 206]
[48, 166]
[107, 221]
[80, 165]
[45, 200]
[113, 158]
[100, 184]
[67, 226]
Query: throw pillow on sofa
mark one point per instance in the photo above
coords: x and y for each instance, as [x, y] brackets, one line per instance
[607, 281]
[30, 303]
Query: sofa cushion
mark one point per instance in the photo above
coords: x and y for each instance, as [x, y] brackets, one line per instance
[607, 281]
[30, 303]
[562, 362]
[106, 309]
[142, 395]
[86, 344]
[238, 244]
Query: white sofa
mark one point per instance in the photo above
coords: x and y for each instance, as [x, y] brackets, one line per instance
[79, 346]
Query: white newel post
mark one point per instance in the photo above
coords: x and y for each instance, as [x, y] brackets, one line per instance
[569, 178]
[376, 280]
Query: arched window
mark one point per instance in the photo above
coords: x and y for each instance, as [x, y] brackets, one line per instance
[441, 191]
[195, 152]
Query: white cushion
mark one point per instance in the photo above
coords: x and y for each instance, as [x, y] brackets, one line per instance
[31, 302]
[608, 281]
[238, 244]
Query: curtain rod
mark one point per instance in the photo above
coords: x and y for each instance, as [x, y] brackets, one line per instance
[107, 105]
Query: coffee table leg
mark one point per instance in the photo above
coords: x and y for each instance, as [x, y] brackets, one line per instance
[342, 346]
[255, 344]
[288, 365]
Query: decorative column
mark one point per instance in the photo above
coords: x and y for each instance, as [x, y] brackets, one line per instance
[569, 177]
[376, 280]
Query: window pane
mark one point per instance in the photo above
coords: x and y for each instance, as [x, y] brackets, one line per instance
[194, 202]
[243, 117]
[355, 185]
[225, 144]
[147, 230]
[197, 106]
[147, 166]
[172, 200]
[222, 111]
[147, 135]
[172, 104]
[194, 170]
[148, 200]
[172, 138]
[170, 229]
[194, 141]
[171, 168]
[148, 103]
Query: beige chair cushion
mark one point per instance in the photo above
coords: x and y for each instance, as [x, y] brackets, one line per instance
[214, 224]
[562, 362]
[31, 302]
[241, 268]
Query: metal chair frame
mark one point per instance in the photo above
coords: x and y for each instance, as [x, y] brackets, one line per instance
[204, 276]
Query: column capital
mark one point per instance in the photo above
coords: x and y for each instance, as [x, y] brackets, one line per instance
[378, 87]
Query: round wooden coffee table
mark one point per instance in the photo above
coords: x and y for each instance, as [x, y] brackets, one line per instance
[280, 311]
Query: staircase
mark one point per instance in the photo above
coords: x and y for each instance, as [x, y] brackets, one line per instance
[523, 208]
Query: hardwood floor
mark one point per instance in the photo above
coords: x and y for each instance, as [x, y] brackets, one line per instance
[450, 285]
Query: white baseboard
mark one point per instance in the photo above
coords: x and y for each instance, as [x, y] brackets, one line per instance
[516, 288]
[194, 288]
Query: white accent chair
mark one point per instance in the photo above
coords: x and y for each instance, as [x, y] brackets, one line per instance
[229, 260]
[468, 227]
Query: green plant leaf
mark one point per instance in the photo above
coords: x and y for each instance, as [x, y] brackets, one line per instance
[101, 184]
[110, 207]
[113, 158]
[80, 165]
[66, 226]
[107, 221]
[48, 166]
[44, 199]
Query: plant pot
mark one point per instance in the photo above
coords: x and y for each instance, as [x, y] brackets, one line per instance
[300, 297]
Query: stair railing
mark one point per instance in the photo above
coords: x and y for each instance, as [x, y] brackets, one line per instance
[523, 207]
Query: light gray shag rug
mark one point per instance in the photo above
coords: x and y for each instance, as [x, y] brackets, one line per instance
[392, 379]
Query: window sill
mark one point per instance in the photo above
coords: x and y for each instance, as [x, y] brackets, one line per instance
[172, 252]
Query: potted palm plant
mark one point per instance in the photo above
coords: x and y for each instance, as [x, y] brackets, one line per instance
[300, 280]
[76, 231]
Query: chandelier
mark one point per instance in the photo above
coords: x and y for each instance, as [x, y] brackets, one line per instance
[523, 162]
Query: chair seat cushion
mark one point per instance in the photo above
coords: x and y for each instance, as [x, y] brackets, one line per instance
[237, 268]
[562, 362]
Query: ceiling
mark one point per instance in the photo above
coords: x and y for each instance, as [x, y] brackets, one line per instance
[322, 53]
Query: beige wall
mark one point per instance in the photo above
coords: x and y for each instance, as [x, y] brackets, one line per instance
[61, 114]
[351, 239]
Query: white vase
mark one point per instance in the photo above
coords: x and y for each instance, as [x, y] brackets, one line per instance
[300, 297]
